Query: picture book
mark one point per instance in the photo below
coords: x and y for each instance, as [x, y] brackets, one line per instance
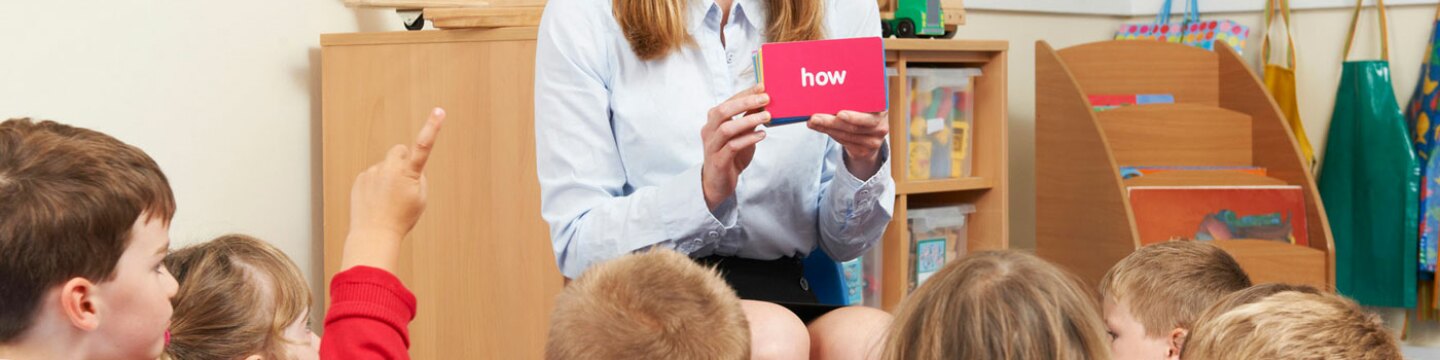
[929, 258]
[804, 78]
[1102, 102]
[1164, 213]
[1127, 172]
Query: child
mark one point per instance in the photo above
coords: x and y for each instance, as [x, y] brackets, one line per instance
[1252, 294]
[84, 222]
[239, 298]
[1290, 325]
[1153, 296]
[998, 305]
[653, 305]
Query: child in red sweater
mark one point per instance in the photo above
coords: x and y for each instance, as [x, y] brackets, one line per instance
[370, 309]
[241, 298]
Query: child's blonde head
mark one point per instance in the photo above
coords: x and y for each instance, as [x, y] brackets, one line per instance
[998, 305]
[654, 305]
[1290, 325]
[1167, 285]
[237, 295]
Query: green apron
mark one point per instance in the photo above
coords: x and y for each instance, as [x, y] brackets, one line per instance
[1370, 184]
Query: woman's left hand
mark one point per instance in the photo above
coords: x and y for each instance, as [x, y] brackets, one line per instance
[861, 134]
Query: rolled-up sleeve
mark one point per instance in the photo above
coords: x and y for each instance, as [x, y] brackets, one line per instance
[854, 213]
[592, 213]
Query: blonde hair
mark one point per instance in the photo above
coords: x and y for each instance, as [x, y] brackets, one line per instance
[654, 28]
[1167, 285]
[1253, 294]
[653, 305]
[1291, 325]
[237, 295]
[998, 305]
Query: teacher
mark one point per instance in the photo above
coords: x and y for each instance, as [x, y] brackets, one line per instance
[647, 127]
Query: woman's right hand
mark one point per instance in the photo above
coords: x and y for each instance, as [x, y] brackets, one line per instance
[730, 142]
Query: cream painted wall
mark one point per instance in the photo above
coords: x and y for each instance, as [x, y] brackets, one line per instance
[224, 96]
[1319, 36]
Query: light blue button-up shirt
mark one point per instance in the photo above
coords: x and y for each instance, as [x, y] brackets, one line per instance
[619, 150]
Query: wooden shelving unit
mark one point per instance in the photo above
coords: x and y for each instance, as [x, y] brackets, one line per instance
[989, 227]
[1222, 117]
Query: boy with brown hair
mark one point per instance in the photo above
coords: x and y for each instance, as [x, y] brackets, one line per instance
[84, 222]
[653, 305]
[1152, 297]
[1290, 325]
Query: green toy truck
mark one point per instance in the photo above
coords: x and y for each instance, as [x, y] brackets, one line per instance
[915, 18]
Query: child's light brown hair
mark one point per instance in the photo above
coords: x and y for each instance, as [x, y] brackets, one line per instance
[998, 305]
[237, 295]
[1167, 285]
[1291, 325]
[68, 199]
[654, 28]
[653, 305]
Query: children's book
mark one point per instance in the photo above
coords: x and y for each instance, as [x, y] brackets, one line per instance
[1164, 213]
[805, 78]
[929, 258]
[1102, 102]
[1127, 172]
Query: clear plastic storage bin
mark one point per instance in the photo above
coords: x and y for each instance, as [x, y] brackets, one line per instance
[939, 120]
[937, 236]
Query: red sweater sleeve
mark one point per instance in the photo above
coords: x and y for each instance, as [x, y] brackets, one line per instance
[369, 317]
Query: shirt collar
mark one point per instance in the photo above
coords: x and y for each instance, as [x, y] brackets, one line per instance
[752, 11]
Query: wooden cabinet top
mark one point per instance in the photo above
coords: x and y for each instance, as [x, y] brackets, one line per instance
[429, 36]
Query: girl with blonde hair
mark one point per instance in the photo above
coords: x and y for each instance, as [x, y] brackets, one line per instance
[999, 305]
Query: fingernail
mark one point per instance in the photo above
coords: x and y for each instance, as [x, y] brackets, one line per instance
[764, 98]
[438, 112]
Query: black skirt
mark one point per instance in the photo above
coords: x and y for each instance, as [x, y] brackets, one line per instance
[780, 281]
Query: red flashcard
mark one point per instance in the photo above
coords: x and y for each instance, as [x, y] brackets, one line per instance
[805, 78]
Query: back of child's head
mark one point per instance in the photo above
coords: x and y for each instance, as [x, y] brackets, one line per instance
[1289, 324]
[1167, 285]
[69, 198]
[653, 305]
[998, 305]
[1253, 294]
[237, 295]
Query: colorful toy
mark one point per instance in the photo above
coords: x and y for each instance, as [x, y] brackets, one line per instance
[916, 18]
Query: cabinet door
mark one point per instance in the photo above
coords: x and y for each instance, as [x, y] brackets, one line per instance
[479, 261]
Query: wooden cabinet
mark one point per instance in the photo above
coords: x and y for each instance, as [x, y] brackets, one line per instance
[479, 261]
[987, 187]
